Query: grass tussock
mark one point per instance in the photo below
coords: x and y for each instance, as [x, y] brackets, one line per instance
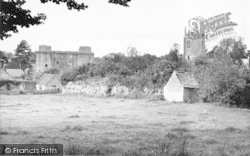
[180, 129]
[74, 116]
[78, 128]
[74, 128]
[4, 132]
[23, 132]
[210, 141]
[186, 122]
[231, 129]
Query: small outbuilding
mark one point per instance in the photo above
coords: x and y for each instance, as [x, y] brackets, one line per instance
[48, 82]
[9, 84]
[181, 87]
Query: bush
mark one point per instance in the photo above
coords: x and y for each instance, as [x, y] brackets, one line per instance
[69, 76]
[53, 71]
[222, 80]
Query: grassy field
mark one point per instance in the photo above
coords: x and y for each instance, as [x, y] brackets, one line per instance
[124, 127]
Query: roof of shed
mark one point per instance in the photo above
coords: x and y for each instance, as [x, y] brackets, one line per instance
[4, 75]
[45, 79]
[187, 80]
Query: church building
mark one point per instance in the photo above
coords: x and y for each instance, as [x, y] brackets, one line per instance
[194, 44]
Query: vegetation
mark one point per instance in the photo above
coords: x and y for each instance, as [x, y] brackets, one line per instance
[221, 75]
[220, 72]
[23, 57]
[132, 71]
[53, 71]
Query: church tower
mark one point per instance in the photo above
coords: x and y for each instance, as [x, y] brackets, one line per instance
[194, 44]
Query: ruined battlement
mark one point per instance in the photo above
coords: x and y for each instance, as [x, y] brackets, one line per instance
[82, 50]
[44, 48]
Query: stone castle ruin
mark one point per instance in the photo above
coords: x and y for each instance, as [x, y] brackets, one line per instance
[63, 60]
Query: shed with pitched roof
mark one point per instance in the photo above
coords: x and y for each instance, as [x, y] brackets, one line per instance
[181, 87]
[48, 82]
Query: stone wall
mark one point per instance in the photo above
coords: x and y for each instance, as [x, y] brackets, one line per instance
[96, 88]
[103, 88]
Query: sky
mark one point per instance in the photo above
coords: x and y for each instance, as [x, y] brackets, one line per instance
[152, 26]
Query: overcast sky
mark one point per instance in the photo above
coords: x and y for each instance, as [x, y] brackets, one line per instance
[152, 26]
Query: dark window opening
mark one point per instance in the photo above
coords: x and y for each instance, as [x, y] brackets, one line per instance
[57, 62]
[46, 65]
[188, 57]
[8, 86]
[188, 44]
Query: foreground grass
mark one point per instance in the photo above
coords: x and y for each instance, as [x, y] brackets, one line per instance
[132, 140]
[176, 142]
[123, 127]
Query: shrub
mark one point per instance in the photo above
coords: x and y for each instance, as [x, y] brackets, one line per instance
[69, 76]
[53, 71]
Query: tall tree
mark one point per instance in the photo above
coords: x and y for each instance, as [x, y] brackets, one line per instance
[23, 49]
[132, 51]
[3, 59]
[23, 54]
[13, 15]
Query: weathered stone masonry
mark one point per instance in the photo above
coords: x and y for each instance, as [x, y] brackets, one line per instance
[63, 60]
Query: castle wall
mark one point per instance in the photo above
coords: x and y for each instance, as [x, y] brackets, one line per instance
[43, 61]
[63, 60]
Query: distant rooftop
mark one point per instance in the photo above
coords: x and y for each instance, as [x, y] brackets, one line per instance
[15, 72]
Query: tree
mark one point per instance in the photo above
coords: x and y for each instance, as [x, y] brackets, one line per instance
[222, 80]
[3, 59]
[23, 48]
[234, 47]
[132, 51]
[22, 57]
[13, 15]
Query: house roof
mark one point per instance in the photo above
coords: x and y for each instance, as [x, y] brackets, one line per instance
[15, 72]
[45, 79]
[187, 80]
[4, 75]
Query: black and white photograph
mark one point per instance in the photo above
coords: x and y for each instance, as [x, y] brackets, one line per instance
[125, 77]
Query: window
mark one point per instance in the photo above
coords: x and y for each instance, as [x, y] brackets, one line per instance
[57, 62]
[46, 65]
[54, 86]
[188, 44]
[188, 57]
[8, 86]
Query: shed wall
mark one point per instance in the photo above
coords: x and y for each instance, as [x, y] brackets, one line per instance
[173, 90]
[191, 95]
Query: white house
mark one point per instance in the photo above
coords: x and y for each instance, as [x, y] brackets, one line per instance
[181, 87]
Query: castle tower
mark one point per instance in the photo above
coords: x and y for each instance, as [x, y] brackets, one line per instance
[193, 45]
